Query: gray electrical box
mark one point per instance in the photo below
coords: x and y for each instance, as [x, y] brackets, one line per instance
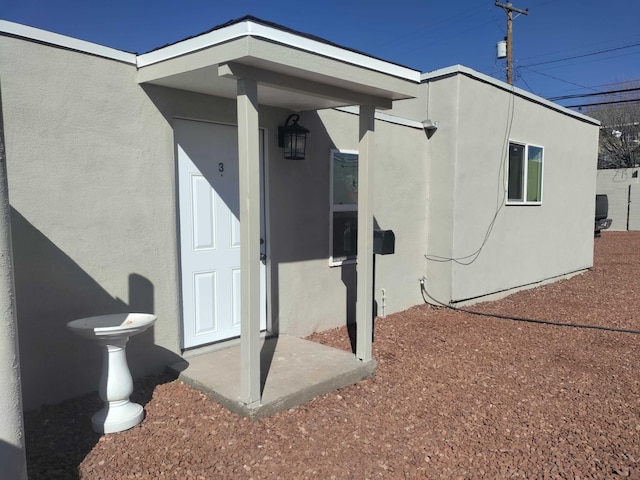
[384, 242]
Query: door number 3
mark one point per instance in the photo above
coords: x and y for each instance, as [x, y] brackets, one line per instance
[221, 167]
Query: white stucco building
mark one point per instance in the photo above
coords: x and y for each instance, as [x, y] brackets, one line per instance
[129, 174]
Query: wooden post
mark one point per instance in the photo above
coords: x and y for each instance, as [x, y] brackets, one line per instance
[249, 170]
[510, 9]
[364, 290]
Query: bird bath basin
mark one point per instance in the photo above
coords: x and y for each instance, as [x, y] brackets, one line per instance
[112, 333]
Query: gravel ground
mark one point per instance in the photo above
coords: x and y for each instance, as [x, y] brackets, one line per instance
[455, 396]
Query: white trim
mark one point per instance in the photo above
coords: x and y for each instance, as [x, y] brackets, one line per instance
[385, 117]
[265, 220]
[191, 45]
[461, 69]
[51, 38]
[352, 207]
[246, 28]
[249, 28]
[525, 175]
[332, 51]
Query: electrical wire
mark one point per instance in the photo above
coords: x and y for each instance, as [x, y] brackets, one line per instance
[525, 82]
[584, 95]
[594, 89]
[500, 196]
[613, 102]
[583, 55]
[424, 292]
[559, 79]
[617, 84]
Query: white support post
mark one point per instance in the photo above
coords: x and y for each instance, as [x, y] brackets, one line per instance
[249, 167]
[364, 300]
[12, 447]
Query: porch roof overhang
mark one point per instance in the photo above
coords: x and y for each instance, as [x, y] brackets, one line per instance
[256, 63]
[293, 71]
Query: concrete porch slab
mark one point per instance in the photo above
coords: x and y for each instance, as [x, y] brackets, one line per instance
[293, 371]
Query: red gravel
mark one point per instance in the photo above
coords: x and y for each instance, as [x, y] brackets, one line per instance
[455, 396]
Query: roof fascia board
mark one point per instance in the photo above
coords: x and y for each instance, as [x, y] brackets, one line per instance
[330, 68]
[43, 36]
[191, 45]
[332, 51]
[251, 28]
[235, 49]
[259, 53]
[461, 69]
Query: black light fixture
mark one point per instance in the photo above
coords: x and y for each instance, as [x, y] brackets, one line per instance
[293, 138]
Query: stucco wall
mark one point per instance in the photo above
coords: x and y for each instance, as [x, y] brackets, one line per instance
[91, 181]
[413, 108]
[312, 295]
[623, 193]
[91, 160]
[468, 161]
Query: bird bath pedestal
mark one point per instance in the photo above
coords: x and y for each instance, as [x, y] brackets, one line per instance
[112, 332]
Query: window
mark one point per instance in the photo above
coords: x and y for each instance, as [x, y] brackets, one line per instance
[525, 174]
[343, 207]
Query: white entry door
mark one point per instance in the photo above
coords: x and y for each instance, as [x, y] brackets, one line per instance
[209, 210]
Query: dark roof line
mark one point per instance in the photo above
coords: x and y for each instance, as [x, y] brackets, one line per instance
[277, 26]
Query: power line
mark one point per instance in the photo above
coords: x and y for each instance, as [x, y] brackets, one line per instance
[616, 83]
[583, 55]
[613, 102]
[526, 83]
[583, 95]
[556, 78]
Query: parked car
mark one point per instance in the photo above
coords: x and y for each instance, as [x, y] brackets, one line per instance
[602, 212]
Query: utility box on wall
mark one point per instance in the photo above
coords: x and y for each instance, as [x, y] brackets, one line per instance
[384, 242]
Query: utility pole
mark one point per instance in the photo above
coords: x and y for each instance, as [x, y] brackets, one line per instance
[510, 9]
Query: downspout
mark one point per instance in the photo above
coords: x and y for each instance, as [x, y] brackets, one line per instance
[12, 443]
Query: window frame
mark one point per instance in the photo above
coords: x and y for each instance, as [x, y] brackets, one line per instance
[525, 174]
[333, 208]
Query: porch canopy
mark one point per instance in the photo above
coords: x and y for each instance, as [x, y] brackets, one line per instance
[258, 62]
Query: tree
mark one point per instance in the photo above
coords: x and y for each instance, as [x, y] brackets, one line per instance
[619, 144]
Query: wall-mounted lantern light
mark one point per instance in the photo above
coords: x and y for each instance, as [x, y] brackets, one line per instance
[293, 138]
[429, 125]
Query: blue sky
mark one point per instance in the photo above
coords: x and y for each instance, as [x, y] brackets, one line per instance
[555, 47]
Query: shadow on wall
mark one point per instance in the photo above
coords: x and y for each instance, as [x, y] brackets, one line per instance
[350, 281]
[51, 290]
[299, 229]
[12, 461]
[300, 221]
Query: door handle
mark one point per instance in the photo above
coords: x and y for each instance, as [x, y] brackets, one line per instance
[263, 256]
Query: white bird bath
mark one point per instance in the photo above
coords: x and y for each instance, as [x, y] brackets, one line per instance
[112, 332]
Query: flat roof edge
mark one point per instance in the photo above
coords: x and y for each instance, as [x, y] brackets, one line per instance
[252, 28]
[244, 28]
[461, 69]
[44, 36]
